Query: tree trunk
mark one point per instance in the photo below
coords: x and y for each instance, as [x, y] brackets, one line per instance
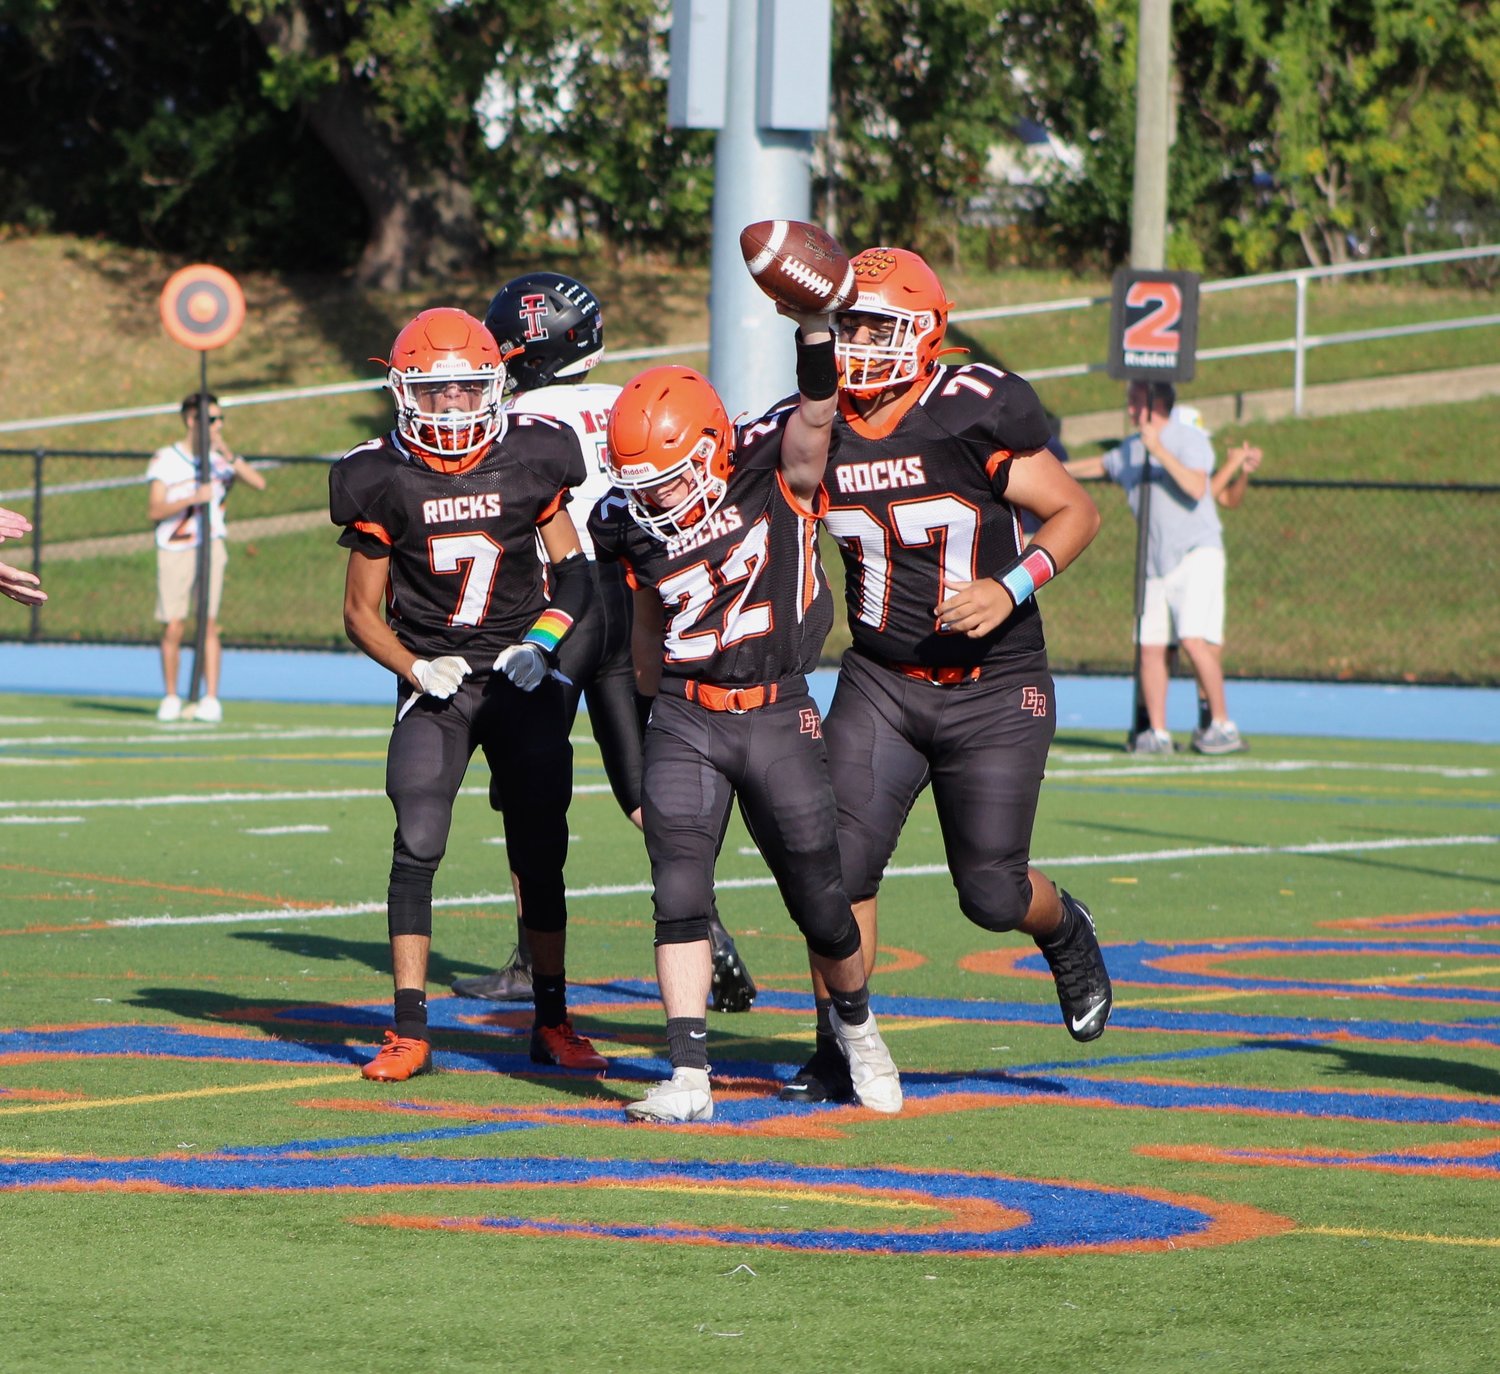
[422, 217]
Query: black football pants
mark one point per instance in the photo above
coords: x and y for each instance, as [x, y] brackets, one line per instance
[773, 759]
[524, 736]
[983, 747]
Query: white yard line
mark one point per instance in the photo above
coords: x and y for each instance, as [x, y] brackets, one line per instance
[593, 789]
[287, 830]
[907, 871]
[245, 798]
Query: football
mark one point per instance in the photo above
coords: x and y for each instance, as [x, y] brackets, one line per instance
[799, 265]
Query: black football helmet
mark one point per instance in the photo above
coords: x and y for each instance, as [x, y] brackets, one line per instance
[556, 323]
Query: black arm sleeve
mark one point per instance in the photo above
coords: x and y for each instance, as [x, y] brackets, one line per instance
[573, 589]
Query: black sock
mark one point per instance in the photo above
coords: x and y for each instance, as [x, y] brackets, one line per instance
[411, 1013]
[1065, 927]
[549, 991]
[853, 1007]
[825, 1027]
[687, 1041]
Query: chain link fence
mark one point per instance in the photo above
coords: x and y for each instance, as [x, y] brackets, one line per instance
[1356, 581]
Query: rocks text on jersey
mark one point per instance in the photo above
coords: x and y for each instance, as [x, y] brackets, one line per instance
[726, 521]
[884, 474]
[444, 510]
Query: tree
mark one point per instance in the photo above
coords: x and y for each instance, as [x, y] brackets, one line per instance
[921, 93]
[390, 92]
[143, 121]
[1307, 130]
[574, 109]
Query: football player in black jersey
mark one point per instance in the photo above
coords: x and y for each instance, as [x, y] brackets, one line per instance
[717, 528]
[442, 518]
[550, 329]
[946, 682]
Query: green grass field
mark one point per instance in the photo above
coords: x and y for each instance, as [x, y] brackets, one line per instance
[1283, 1155]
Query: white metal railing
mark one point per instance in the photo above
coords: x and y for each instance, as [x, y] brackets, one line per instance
[1299, 344]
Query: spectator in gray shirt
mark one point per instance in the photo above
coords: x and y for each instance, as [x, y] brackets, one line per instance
[1184, 562]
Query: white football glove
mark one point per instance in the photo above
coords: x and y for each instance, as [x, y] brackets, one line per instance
[524, 664]
[440, 677]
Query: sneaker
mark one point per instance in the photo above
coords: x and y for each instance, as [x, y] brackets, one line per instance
[209, 711]
[1152, 742]
[733, 987]
[1077, 964]
[876, 1082]
[170, 708]
[512, 983]
[685, 1096]
[563, 1046]
[824, 1078]
[1222, 737]
[400, 1058]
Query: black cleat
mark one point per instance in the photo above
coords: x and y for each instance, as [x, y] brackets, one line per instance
[824, 1078]
[509, 984]
[733, 987]
[1077, 964]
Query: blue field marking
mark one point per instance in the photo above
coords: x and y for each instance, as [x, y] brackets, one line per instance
[1332, 709]
[1024, 1215]
[1077, 1086]
[1141, 963]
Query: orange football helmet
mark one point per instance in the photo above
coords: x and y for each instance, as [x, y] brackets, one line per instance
[670, 448]
[902, 344]
[447, 378]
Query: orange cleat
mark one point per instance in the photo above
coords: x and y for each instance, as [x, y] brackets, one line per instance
[562, 1046]
[400, 1058]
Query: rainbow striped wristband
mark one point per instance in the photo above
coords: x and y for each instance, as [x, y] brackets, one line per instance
[549, 630]
[1029, 574]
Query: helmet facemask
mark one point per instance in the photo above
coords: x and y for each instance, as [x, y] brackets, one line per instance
[891, 353]
[692, 485]
[451, 410]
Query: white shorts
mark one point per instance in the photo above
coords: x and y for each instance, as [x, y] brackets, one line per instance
[1188, 603]
[177, 579]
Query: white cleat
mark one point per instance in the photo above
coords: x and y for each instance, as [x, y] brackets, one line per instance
[876, 1082]
[685, 1096]
[209, 711]
[170, 708]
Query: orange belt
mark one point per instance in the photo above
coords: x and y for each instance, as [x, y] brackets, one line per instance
[944, 677]
[735, 699]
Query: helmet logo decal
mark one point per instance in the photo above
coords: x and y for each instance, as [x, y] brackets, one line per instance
[533, 314]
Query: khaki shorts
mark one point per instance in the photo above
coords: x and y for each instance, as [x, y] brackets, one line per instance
[1188, 603]
[177, 578]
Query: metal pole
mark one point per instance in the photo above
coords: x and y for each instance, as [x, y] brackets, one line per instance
[1153, 134]
[1140, 718]
[205, 531]
[1148, 241]
[38, 463]
[1299, 357]
[760, 173]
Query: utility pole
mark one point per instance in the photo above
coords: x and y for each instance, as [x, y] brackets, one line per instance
[1153, 134]
[1148, 240]
[758, 72]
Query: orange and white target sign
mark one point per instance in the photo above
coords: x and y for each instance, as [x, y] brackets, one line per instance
[202, 307]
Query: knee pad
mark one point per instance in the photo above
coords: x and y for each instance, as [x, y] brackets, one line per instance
[544, 905]
[999, 906]
[835, 944]
[681, 932]
[409, 900]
